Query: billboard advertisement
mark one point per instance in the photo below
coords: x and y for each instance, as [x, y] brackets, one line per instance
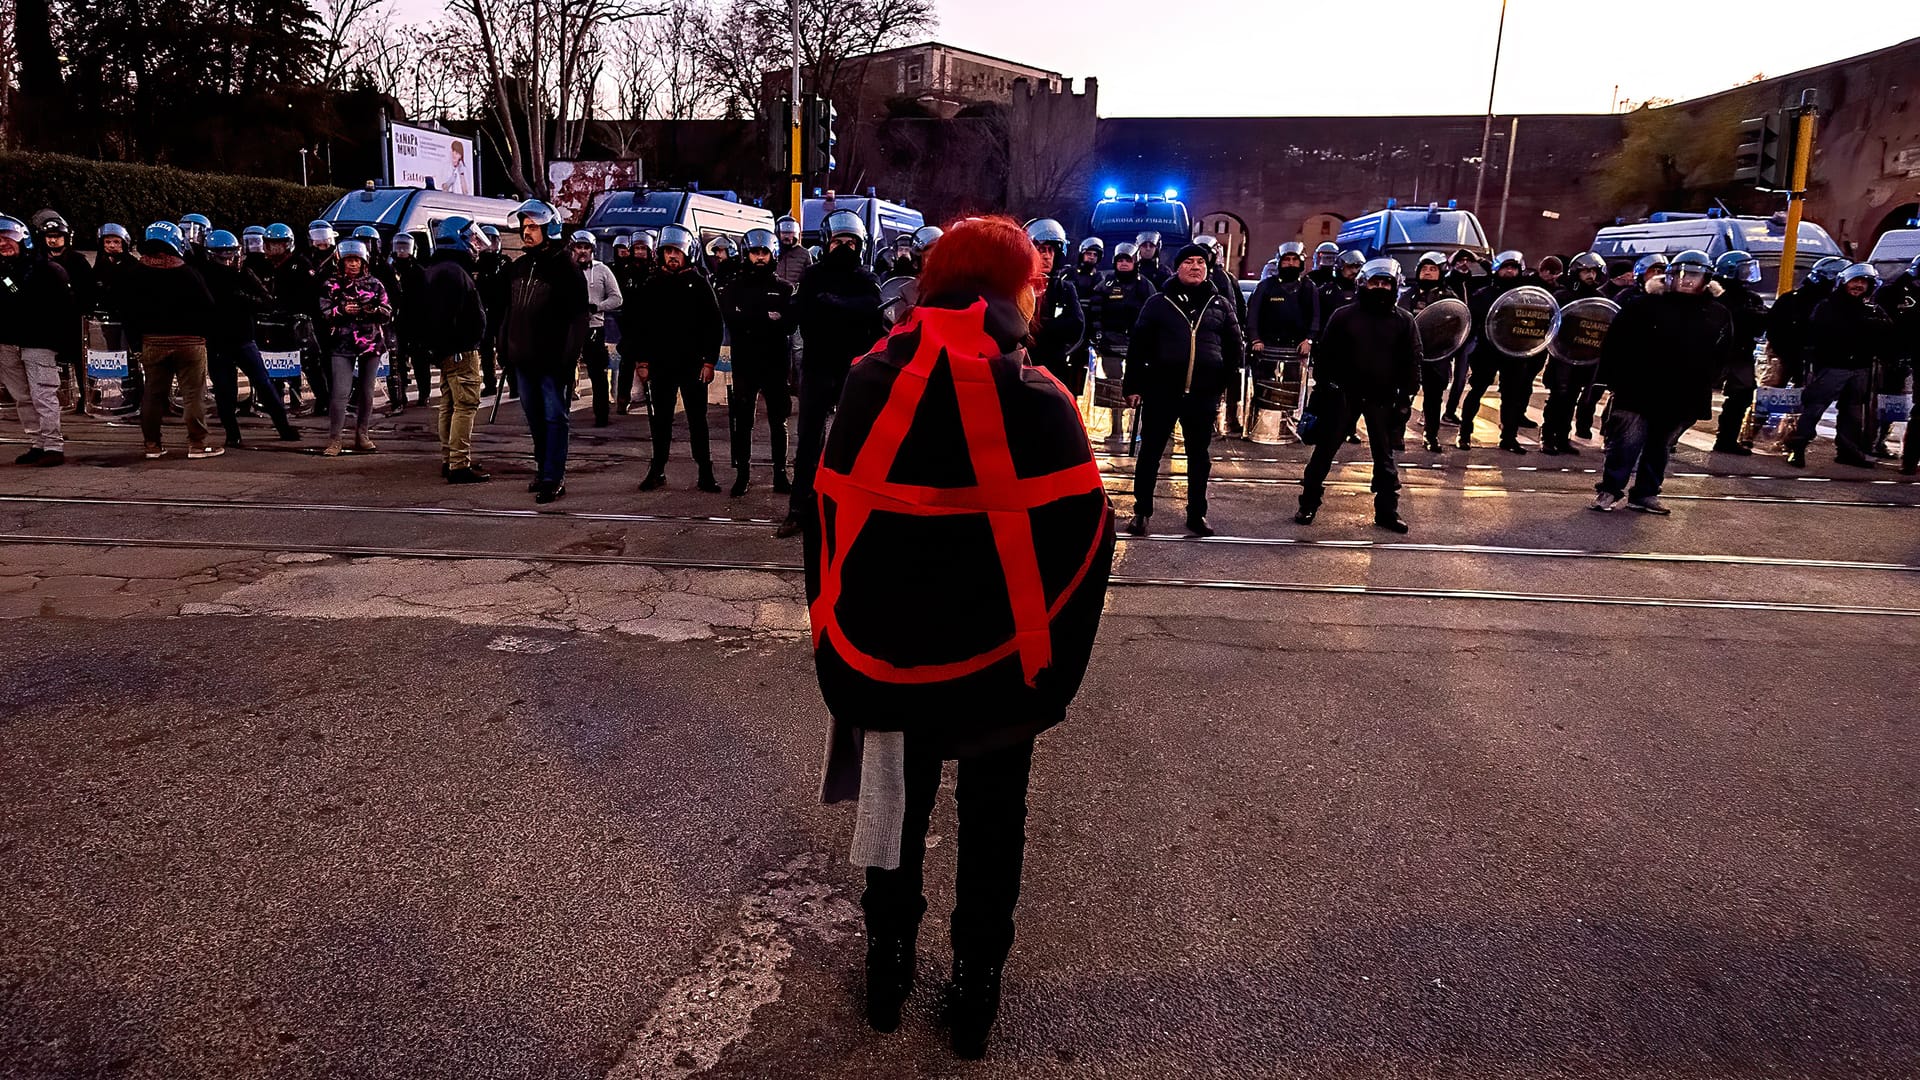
[436, 159]
[575, 183]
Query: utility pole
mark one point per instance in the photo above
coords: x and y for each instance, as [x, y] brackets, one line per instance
[303, 166]
[1506, 184]
[1797, 186]
[793, 121]
[1486, 130]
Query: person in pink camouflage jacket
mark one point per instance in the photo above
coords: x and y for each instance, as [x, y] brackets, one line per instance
[357, 310]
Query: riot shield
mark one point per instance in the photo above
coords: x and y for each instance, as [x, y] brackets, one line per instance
[1444, 326]
[1522, 321]
[1582, 330]
[897, 296]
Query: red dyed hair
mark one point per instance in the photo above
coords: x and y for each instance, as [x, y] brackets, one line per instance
[990, 256]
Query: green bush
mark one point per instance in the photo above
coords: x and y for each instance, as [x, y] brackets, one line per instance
[91, 193]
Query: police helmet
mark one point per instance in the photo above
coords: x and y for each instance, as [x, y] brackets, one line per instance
[678, 238]
[1649, 264]
[1431, 258]
[1326, 254]
[280, 231]
[760, 240]
[1292, 247]
[623, 242]
[924, 237]
[222, 240]
[114, 229]
[1913, 268]
[582, 236]
[353, 248]
[368, 235]
[50, 223]
[787, 227]
[649, 237]
[1518, 260]
[1380, 268]
[194, 228]
[846, 223]
[254, 239]
[321, 231]
[1352, 258]
[541, 213]
[1044, 231]
[1690, 265]
[1588, 260]
[164, 238]
[16, 230]
[723, 245]
[490, 232]
[1126, 250]
[1148, 237]
[1857, 272]
[1737, 266]
[453, 234]
[403, 244]
[1827, 269]
[1093, 243]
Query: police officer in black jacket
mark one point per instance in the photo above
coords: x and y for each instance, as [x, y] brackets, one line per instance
[1060, 325]
[1284, 314]
[1367, 366]
[1343, 285]
[1791, 316]
[759, 312]
[404, 280]
[1185, 349]
[839, 313]
[682, 318]
[1846, 337]
[1487, 363]
[543, 328]
[56, 245]
[1116, 304]
[290, 280]
[1734, 275]
[239, 296]
[1430, 287]
[1900, 299]
[1567, 383]
[453, 323]
[1146, 248]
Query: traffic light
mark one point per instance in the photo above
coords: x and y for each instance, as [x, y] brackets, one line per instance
[816, 127]
[1761, 156]
[780, 139]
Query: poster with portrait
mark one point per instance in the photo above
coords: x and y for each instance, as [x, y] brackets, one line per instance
[435, 159]
[575, 183]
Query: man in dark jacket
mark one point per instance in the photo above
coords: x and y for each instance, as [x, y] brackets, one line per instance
[1184, 350]
[56, 245]
[543, 327]
[169, 308]
[1487, 362]
[839, 314]
[1228, 287]
[1429, 288]
[1342, 285]
[682, 316]
[1847, 336]
[1147, 250]
[36, 318]
[233, 349]
[1283, 318]
[1116, 307]
[1735, 273]
[759, 311]
[452, 324]
[1567, 382]
[1059, 323]
[630, 272]
[1369, 362]
[403, 279]
[1791, 317]
[1900, 299]
[1661, 358]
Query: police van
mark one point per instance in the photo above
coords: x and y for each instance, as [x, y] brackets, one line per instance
[1407, 234]
[1119, 218]
[1894, 252]
[1671, 232]
[417, 210]
[885, 221]
[706, 214]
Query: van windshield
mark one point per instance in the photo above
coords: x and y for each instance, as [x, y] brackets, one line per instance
[1765, 236]
[649, 211]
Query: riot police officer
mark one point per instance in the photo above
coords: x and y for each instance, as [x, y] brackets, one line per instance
[1900, 299]
[606, 299]
[542, 330]
[1339, 290]
[1326, 265]
[405, 280]
[1487, 363]
[1116, 307]
[1429, 287]
[1367, 366]
[36, 320]
[239, 296]
[681, 315]
[1846, 338]
[629, 272]
[253, 241]
[1734, 276]
[1087, 274]
[1567, 384]
[1284, 313]
[1791, 316]
[1226, 285]
[839, 314]
[1146, 248]
[793, 259]
[1060, 325]
[758, 307]
[491, 267]
[722, 262]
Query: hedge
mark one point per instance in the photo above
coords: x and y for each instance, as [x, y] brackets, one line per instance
[90, 193]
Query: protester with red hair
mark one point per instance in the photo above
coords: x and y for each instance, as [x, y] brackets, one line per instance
[956, 576]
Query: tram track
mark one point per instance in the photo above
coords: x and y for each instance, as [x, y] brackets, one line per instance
[1122, 580]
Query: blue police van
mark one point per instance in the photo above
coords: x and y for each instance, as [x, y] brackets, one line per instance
[1118, 218]
[1672, 232]
[1406, 234]
[886, 221]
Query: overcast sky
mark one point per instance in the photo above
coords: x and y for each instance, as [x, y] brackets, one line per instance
[1402, 57]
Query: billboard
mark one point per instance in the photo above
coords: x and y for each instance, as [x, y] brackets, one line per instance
[575, 183]
[436, 159]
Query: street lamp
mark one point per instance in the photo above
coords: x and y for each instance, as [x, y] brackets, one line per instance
[303, 166]
[1486, 131]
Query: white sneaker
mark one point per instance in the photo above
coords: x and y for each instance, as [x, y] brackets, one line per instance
[1650, 505]
[198, 452]
[1605, 502]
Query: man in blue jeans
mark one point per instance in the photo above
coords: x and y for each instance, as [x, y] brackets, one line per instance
[543, 327]
[1661, 359]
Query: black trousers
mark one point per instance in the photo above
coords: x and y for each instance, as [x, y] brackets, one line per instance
[226, 361]
[1515, 374]
[819, 396]
[421, 366]
[1738, 383]
[664, 385]
[1435, 376]
[1381, 416]
[991, 797]
[1589, 401]
[1195, 414]
[594, 355]
[1567, 386]
[756, 377]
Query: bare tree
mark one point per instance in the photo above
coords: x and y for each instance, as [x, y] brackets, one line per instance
[343, 22]
[9, 63]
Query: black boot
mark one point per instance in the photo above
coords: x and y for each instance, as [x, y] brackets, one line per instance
[1512, 445]
[1389, 519]
[1797, 456]
[656, 477]
[973, 1003]
[890, 962]
[739, 483]
[1728, 446]
[706, 482]
[781, 485]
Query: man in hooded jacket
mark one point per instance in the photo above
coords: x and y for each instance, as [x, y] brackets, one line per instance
[543, 328]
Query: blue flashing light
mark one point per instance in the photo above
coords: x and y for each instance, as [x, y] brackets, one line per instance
[1172, 193]
[1453, 204]
[1393, 204]
[816, 193]
[1713, 212]
[1113, 193]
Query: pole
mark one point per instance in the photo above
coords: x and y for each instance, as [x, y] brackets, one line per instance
[794, 135]
[1797, 197]
[1506, 184]
[1486, 130]
[303, 166]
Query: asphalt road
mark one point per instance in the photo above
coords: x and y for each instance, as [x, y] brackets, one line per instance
[550, 810]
